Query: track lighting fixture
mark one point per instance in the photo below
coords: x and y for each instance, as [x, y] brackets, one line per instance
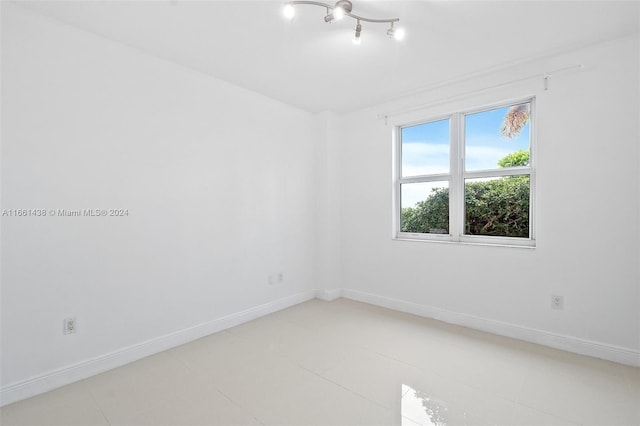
[341, 9]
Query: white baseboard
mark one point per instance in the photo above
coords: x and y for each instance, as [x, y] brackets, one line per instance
[328, 295]
[88, 368]
[608, 352]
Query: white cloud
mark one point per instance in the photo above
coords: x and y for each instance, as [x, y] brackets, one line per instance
[421, 149]
[425, 170]
[484, 157]
[424, 158]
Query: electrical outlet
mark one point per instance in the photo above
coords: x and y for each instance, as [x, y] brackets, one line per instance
[70, 326]
[557, 302]
[280, 278]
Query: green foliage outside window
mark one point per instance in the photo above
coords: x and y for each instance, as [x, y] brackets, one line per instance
[515, 159]
[498, 207]
[430, 215]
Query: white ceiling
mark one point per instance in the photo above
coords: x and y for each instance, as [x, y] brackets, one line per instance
[313, 65]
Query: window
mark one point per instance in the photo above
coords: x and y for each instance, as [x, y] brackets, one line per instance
[467, 177]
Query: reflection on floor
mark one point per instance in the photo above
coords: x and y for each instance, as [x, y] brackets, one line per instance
[346, 363]
[417, 408]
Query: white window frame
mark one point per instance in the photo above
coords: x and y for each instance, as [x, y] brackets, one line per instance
[457, 176]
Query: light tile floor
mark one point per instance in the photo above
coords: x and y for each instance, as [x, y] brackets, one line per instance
[346, 363]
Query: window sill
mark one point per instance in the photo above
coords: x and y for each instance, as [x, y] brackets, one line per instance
[526, 244]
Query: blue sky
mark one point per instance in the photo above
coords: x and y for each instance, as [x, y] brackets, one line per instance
[425, 149]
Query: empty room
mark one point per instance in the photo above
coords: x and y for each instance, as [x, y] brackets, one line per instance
[320, 213]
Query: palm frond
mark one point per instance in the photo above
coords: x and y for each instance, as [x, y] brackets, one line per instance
[515, 120]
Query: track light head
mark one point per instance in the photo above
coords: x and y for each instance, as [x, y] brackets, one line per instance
[342, 7]
[356, 38]
[289, 11]
[397, 33]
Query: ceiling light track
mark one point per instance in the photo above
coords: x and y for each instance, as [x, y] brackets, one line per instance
[344, 8]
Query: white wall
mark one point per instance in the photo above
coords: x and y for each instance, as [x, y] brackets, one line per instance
[328, 268]
[218, 182]
[587, 212]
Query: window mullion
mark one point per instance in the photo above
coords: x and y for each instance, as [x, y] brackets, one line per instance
[519, 171]
[425, 178]
[455, 185]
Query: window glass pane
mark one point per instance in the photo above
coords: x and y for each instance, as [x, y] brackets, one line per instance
[497, 207]
[497, 138]
[425, 148]
[425, 207]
